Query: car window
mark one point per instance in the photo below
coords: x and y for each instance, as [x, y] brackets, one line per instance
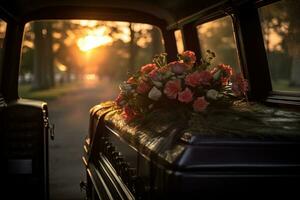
[3, 25]
[179, 41]
[218, 36]
[280, 24]
[57, 54]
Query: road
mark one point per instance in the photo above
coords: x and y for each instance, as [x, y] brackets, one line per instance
[70, 114]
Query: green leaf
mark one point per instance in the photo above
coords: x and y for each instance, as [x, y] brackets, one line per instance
[217, 75]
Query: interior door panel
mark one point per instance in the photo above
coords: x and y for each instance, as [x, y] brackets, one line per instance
[24, 132]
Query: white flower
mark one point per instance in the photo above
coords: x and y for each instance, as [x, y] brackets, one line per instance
[212, 94]
[181, 76]
[157, 84]
[154, 94]
[150, 106]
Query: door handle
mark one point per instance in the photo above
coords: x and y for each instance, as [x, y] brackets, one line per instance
[51, 131]
[48, 126]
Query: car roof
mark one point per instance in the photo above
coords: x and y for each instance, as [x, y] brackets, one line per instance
[169, 11]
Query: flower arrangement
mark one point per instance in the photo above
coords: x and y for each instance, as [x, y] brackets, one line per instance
[181, 83]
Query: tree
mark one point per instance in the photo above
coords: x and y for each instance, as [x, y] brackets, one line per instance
[145, 42]
[43, 56]
[294, 41]
[2, 36]
[58, 42]
[157, 46]
[132, 49]
[218, 36]
[282, 19]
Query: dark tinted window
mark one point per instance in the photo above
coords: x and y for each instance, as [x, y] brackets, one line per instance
[60, 53]
[280, 23]
[2, 38]
[218, 36]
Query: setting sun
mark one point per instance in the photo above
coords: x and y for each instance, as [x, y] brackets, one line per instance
[92, 41]
[94, 38]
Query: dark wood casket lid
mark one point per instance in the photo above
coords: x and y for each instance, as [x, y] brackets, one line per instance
[240, 136]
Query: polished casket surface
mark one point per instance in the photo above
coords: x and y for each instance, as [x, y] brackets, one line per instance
[230, 150]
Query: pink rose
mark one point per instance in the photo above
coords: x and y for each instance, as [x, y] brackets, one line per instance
[200, 104]
[143, 88]
[239, 85]
[205, 77]
[172, 88]
[192, 79]
[188, 58]
[186, 96]
[148, 68]
[129, 113]
[178, 67]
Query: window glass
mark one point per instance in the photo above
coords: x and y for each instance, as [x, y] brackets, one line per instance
[179, 41]
[62, 52]
[74, 65]
[280, 23]
[218, 36]
[2, 37]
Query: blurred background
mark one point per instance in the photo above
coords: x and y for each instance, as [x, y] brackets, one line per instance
[59, 52]
[76, 64]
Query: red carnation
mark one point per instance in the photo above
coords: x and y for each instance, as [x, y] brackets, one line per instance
[226, 73]
[239, 85]
[131, 80]
[148, 68]
[120, 100]
[128, 113]
[188, 58]
[164, 69]
[154, 75]
[143, 88]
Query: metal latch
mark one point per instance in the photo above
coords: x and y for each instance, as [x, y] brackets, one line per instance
[51, 131]
[49, 127]
[83, 186]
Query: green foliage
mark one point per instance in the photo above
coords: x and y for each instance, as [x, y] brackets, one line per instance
[280, 25]
[218, 36]
[160, 60]
[111, 60]
[27, 61]
[26, 91]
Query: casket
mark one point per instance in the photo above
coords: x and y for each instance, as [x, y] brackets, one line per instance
[247, 150]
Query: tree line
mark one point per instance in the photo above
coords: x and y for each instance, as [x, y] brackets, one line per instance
[48, 44]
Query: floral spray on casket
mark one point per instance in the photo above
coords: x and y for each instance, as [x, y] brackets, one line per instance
[182, 83]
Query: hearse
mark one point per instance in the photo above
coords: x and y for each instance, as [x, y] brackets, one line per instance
[252, 152]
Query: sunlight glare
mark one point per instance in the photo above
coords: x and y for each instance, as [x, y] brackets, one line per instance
[88, 23]
[275, 41]
[94, 38]
[90, 77]
[179, 41]
[92, 41]
[61, 67]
